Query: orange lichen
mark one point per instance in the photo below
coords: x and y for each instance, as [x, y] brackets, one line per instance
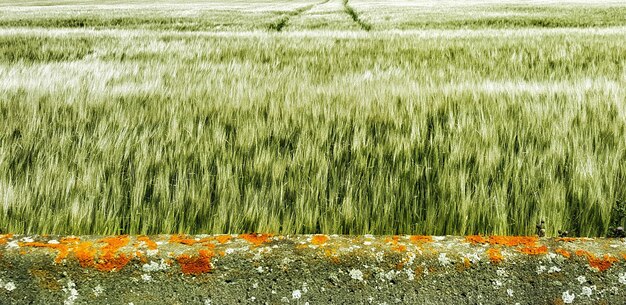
[149, 243]
[85, 253]
[63, 249]
[110, 260]
[319, 239]
[5, 238]
[392, 240]
[182, 239]
[495, 256]
[256, 239]
[475, 239]
[222, 239]
[567, 239]
[332, 255]
[535, 250]
[419, 239]
[196, 264]
[601, 264]
[512, 241]
[399, 248]
[563, 252]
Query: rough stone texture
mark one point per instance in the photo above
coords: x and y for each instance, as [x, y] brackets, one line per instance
[320, 269]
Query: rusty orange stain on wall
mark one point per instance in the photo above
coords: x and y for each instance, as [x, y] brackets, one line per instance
[256, 239]
[319, 239]
[534, 250]
[495, 256]
[563, 252]
[418, 239]
[196, 264]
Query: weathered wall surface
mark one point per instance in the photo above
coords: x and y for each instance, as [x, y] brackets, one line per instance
[319, 269]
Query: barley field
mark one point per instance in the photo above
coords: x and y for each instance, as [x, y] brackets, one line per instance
[332, 116]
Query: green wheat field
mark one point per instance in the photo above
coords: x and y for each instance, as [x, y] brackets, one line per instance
[347, 117]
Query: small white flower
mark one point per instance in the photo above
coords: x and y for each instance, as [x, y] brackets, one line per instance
[27, 240]
[410, 274]
[586, 291]
[497, 283]
[146, 277]
[10, 286]
[296, 294]
[367, 243]
[207, 302]
[582, 279]
[259, 269]
[13, 245]
[509, 292]
[230, 251]
[567, 297]
[356, 274]
[501, 272]
[152, 252]
[53, 242]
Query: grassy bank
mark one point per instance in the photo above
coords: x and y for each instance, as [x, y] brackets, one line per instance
[145, 127]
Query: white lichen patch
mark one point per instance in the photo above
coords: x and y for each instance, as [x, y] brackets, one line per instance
[9, 286]
[581, 279]
[72, 293]
[154, 266]
[554, 269]
[410, 274]
[146, 277]
[98, 290]
[296, 294]
[356, 274]
[622, 278]
[568, 298]
[541, 269]
[496, 284]
[380, 256]
[443, 259]
[586, 291]
[474, 258]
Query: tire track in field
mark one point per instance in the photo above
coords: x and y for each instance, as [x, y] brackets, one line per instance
[355, 16]
[284, 20]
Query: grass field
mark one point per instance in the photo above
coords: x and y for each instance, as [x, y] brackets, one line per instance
[358, 116]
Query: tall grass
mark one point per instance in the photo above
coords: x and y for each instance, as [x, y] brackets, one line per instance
[106, 132]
